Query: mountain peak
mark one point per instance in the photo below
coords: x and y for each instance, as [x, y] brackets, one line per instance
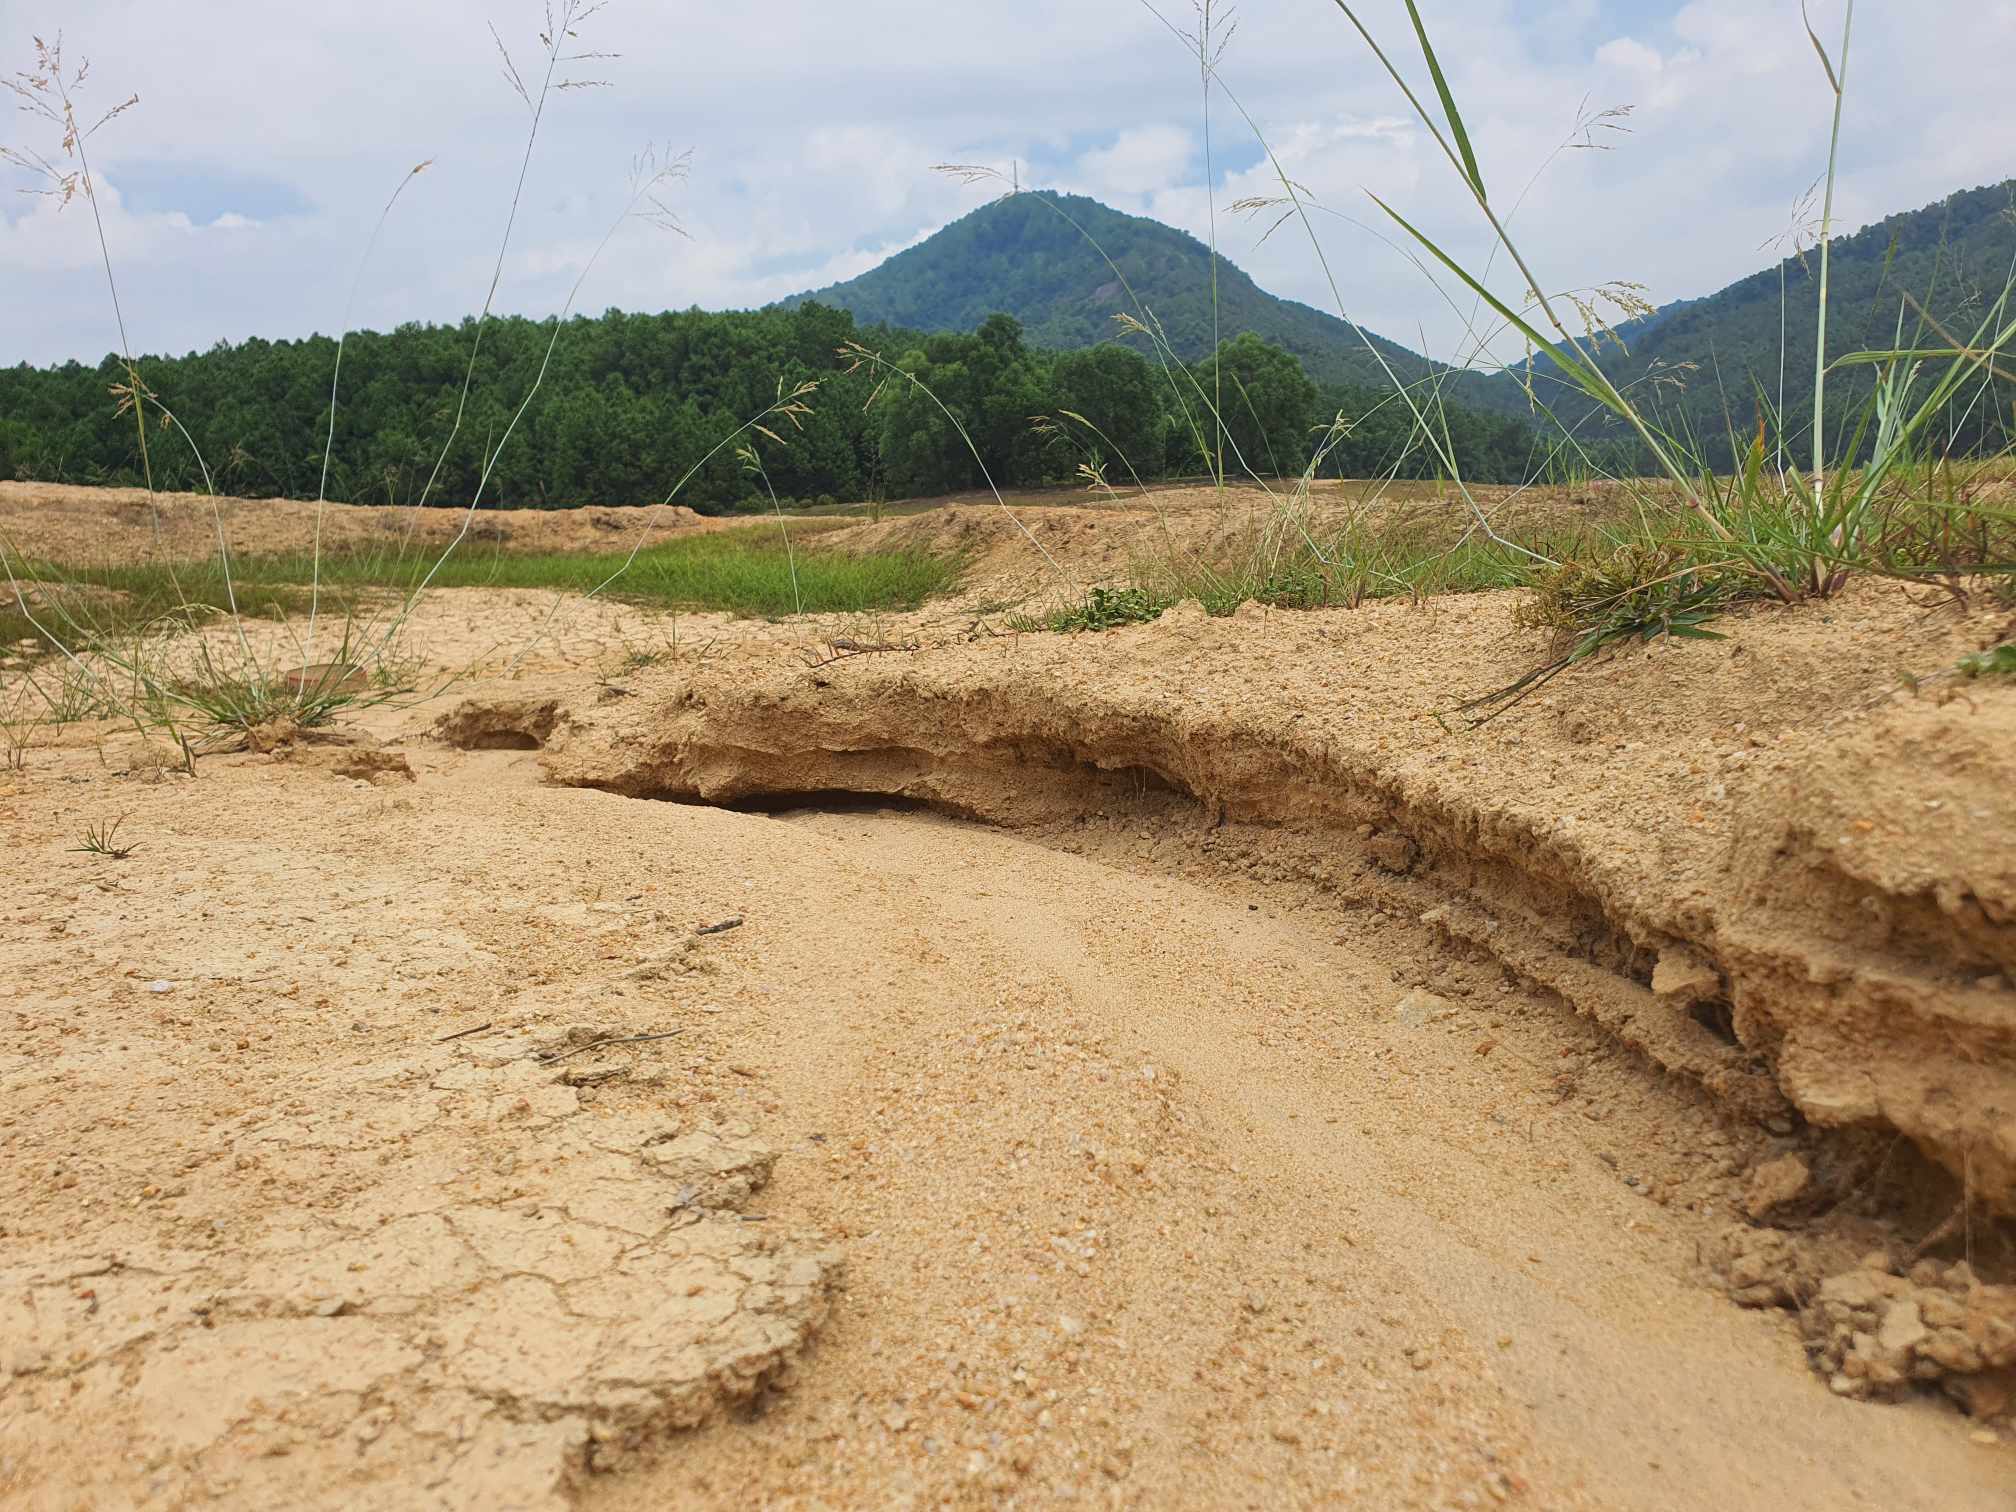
[1065, 266]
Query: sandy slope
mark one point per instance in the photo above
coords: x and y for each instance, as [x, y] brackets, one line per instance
[1324, 1256]
[88, 526]
[1144, 1191]
[1167, 1142]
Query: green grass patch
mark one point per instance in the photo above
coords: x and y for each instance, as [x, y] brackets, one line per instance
[91, 605]
[736, 572]
[739, 572]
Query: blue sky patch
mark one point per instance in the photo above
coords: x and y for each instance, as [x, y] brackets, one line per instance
[203, 194]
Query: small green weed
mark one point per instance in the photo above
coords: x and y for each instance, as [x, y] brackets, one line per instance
[1640, 592]
[1109, 609]
[101, 839]
[17, 727]
[1996, 661]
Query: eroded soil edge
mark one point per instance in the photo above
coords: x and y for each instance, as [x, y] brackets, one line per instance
[1820, 931]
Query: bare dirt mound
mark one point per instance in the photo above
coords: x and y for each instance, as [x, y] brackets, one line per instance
[87, 526]
[1086, 544]
[1033, 555]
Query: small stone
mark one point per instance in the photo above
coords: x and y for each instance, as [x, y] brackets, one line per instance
[1775, 1183]
[1940, 1310]
[160, 986]
[1394, 853]
[1069, 1326]
[1902, 1329]
[1985, 1436]
[1420, 1007]
[1682, 976]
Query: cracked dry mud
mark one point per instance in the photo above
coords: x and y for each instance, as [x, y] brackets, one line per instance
[467, 1279]
[1276, 1102]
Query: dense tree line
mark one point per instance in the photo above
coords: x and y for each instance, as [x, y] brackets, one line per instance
[631, 403]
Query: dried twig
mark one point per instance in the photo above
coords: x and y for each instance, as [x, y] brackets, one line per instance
[734, 921]
[464, 1033]
[623, 1039]
[843, 649]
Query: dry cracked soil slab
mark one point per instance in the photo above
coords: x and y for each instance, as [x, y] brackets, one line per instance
[271, 1239]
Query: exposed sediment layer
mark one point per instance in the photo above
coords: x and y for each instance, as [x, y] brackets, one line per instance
[1752, 860]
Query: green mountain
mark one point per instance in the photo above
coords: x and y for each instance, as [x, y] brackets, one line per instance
[1023, 256]
[1707, 365]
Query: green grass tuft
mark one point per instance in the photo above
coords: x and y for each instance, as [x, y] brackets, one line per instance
[1101, 609]
[1996, 661]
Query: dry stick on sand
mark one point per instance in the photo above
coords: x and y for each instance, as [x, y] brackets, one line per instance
[845, 650]
[622, 1039]
[464, 1033]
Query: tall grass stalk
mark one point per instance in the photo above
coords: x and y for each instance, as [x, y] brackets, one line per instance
[157, 693]
[49, 94]
[335, 380]
[1804, 534]
[752, 461]
[1293, 195]
[1837, 79]
[858, 357]
[1209, 51]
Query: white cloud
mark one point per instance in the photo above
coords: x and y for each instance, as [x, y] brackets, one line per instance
[1141, 159]
[1627, 55]
[814, 140]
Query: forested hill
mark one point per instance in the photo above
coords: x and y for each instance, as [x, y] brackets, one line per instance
[632, 402]
[1022, 256]
[1701, 362]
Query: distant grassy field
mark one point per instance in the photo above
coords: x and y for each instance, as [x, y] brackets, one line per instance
[744, 572]
[740, 572]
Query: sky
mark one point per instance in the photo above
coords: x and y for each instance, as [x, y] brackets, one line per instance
[240, 194]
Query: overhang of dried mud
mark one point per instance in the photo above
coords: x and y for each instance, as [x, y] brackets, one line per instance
[1764, 861]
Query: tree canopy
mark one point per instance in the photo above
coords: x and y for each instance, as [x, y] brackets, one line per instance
[632, 404]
